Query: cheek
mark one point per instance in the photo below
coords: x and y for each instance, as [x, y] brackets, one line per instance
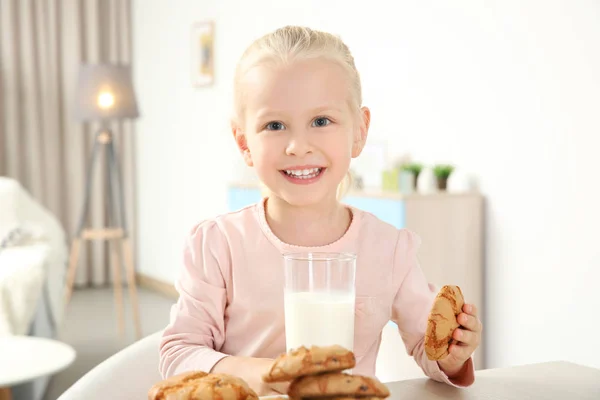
[255, 146]
[341, 151]
[340, 155]
[263, 153]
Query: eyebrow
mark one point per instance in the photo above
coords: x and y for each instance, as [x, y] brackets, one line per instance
[267, 113]
[321, 109]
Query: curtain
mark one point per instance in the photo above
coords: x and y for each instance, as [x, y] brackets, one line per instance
[42, 145]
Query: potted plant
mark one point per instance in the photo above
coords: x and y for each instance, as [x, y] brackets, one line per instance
[442, 172]
[413, 168]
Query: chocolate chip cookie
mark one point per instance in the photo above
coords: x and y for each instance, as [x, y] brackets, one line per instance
[342, 398]
[442, 322]
[337, 385]
[199, 385]
[304, 361]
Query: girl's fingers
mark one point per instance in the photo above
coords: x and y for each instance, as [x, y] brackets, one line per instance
[279, 387]
[460, 353]
[466, 337]
[470, 322]
[470, 309]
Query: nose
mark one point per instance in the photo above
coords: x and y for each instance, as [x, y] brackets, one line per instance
[298, 144]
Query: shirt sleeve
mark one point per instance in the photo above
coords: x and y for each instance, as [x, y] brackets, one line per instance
[196, 330]
[411, 308]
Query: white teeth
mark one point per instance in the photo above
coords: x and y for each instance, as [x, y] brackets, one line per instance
[303, 173]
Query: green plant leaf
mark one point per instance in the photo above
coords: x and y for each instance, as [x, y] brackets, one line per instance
[415, 168]
[443, 170]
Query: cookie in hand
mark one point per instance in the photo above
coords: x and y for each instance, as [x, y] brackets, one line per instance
[442, 322]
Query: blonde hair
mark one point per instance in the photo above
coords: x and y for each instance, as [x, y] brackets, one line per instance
[294, 43]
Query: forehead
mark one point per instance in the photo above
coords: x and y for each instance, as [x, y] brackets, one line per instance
[297, 87]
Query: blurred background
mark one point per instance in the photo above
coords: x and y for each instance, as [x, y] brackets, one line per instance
[502, 98]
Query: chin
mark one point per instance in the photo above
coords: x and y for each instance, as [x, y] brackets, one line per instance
[303, 199]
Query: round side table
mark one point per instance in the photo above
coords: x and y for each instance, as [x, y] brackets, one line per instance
[25, 358]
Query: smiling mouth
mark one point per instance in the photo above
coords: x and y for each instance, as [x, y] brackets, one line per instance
[308, 173]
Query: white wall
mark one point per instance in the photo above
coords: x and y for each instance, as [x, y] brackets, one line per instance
[509, 90]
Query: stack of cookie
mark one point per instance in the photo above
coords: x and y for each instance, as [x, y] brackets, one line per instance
[316, 373]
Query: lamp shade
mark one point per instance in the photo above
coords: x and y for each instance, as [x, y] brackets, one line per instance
[105, 92]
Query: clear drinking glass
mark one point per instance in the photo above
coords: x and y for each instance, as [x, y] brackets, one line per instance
[319, 297]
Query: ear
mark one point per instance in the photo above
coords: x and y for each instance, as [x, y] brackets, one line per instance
[240, 139]
[363, 130]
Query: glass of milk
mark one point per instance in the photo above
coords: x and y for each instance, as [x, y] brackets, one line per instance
[319, 296]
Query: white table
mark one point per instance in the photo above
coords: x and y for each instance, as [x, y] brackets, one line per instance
[24, 358]
[553, 380]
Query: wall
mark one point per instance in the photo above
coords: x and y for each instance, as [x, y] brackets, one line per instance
[506, 90]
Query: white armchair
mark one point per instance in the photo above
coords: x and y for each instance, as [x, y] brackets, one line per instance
[127, 375]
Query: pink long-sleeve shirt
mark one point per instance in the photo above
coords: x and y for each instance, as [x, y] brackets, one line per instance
[231, 293]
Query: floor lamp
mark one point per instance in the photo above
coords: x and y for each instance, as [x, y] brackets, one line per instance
[105, 93]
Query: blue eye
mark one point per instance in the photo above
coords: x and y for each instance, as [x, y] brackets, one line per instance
[275, 126]
[320, 122]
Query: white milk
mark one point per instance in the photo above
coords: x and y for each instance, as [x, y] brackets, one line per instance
[319, 319]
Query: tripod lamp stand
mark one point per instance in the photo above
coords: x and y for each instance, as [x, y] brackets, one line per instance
[105, 93]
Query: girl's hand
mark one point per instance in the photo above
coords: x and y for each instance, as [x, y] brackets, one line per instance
[251, 370]
[468, 337]
[277, 388]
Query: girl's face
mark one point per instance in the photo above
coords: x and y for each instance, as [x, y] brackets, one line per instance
[299, 130]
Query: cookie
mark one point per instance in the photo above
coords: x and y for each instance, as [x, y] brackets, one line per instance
[202, 386]
[157, 391]
[337, 384]
[316, 360]
[343, 398]
[442, 322]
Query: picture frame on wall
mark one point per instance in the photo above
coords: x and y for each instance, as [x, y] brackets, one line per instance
[203, 63]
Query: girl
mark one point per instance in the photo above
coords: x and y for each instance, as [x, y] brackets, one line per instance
[298, 121]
